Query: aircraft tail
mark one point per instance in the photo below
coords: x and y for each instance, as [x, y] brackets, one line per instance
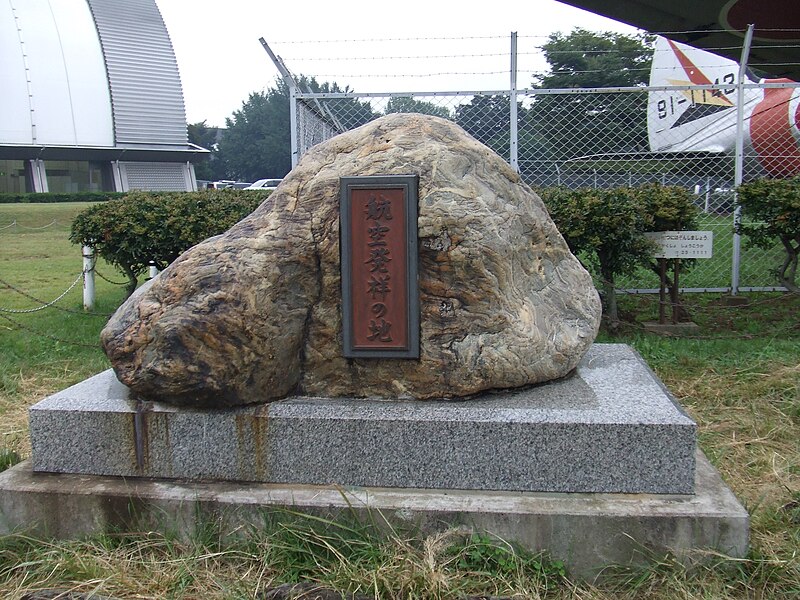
[692, 120]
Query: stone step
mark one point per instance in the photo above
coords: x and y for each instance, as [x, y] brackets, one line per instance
[588, 532]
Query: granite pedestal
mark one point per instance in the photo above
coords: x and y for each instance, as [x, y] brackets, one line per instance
[610, 427]
[599, 468]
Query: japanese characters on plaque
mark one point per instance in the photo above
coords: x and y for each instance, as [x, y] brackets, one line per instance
[682, 244]
[380, 303]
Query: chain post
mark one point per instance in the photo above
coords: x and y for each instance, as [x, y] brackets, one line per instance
[88, 278]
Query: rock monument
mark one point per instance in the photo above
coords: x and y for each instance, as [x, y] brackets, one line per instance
[247, 333]
[255, 314]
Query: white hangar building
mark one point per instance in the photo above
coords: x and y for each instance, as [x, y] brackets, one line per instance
[91, 99]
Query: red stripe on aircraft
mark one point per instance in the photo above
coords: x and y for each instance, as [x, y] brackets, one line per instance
[771, 132]
[695, 75]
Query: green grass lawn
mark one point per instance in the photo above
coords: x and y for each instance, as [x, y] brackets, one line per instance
[738, 376]
[47, 349]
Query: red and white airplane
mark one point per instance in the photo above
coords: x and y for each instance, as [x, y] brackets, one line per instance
[705, 120]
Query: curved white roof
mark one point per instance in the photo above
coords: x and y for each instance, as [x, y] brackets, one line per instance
[88, 73]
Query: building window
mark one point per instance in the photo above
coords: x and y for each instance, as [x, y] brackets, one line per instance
[12, 177]
[69, 176]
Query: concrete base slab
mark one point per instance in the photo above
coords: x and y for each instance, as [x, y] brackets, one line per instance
[734, 300]
[611, 427]
[587, 531]
[685, 328]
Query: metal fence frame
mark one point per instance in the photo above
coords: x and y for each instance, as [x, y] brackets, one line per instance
[312, 121]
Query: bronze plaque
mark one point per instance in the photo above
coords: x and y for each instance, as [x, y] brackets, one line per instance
[380, 298]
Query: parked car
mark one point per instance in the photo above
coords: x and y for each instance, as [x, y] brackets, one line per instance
[220, 185]
[264, 184]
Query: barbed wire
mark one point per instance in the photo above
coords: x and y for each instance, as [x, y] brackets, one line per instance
[20, 326]
[412, 75]
[773, 64]
[411, 57]
[669, 33]
[397, 39]
[374, 57]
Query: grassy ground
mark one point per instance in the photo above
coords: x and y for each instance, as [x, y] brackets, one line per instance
[47, 349]
[738, 376]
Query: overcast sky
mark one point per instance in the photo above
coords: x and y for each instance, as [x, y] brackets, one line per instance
[369, 46]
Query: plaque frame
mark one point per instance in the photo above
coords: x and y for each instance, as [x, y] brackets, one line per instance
[409, 185]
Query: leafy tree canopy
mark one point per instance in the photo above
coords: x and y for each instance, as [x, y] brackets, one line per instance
[410, 105]
[488, 120]
[593, 123]
[257, 141]
[212, 168]
[589, 59]
[771, 214]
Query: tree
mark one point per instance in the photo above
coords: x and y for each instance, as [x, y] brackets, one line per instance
[256, 143]
[212, 168]
[586, 59]
[606, 227]
[771, 208]
[410, 105]
[488, 120]
[589, 124]
[670, 208]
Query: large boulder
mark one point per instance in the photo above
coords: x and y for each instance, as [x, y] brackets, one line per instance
[255, 314]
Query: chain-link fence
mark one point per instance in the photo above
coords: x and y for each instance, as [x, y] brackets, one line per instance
[682, 135]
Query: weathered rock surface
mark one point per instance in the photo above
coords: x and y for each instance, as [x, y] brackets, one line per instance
[255, 314]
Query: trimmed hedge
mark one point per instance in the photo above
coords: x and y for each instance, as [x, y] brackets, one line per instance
[59, 197]
[607, 227]
[142, 227]
[772, 209]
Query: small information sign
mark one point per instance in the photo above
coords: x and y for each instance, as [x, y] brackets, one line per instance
[682, 244]
[380, 297]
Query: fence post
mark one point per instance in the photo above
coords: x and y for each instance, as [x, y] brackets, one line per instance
[88, 278]
[739, 162]
[294, 142]
[290, 82]
[513, 150]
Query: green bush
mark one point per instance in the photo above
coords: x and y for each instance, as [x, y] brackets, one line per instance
[141, 228]
[608, 225]
[60, 197]
[772, 210]
[671, 208]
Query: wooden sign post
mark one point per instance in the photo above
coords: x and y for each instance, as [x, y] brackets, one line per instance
[380, 294]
